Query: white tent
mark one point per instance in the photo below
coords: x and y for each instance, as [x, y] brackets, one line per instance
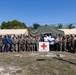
[69, 31]
[13, 31]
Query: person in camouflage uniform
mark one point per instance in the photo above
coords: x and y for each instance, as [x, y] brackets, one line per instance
[28, 41]
[59, 48]
[74, 44]
[37, 39]
[20, 40]
[65, 42]
[14, 44]
[71, 38]
[24, 42]
[1, 44]
[17, 43]
[68, 43]
[57, 43]
[31, 43]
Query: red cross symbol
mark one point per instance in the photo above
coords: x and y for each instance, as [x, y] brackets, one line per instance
[43, 45]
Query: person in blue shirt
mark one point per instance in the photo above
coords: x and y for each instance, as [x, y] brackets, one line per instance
[9, 39]
[41, 38]
[5, 43]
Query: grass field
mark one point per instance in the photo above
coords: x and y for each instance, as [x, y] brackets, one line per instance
[36, 63]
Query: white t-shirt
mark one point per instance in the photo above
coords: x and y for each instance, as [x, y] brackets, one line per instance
[49, 36]
[52, 41]
[46, 39]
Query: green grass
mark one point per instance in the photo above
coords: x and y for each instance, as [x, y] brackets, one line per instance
[50, 66]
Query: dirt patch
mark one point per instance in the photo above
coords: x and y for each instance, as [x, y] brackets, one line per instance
[4, 70]
[18, 55]
[52, 55]
[34, 54]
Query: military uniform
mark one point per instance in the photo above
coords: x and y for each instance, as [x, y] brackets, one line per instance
[28, 43]
[65, 42]
[24, 43]
[37, 43]
[74, 45]
[72, 42]
[14, 44]
[59, 48]
[21, 44]
[69, 44]
[31, 44]
[0, 46]
[17, 44]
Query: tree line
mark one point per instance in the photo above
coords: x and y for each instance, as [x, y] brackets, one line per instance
[14, 24]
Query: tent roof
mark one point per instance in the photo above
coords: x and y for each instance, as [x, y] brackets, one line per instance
[45, 30]
[69, 31]
[13, 31]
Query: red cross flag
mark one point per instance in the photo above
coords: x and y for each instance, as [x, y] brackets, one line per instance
[43, 46]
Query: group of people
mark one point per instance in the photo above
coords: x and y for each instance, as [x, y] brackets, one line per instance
[60, 42]
[31, 43]
[18, 43]
[6, 43]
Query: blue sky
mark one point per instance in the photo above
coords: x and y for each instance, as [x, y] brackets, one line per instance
[38, 11]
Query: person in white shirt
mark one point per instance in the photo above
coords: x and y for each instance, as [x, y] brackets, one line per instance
[51, 43]
[46, 38]
[49, 36]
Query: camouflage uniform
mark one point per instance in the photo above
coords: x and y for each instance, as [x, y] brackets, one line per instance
[17, 44]
[37, 43]
[31, 44]
[24, 43]
[20, 41]
[74, 44]
[28, 43]
[60, 44]
[14, 44]
[0, 45]
[65, 41]
[69, 44]
[34, 43]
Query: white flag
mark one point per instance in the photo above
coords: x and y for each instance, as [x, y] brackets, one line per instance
[43, 46]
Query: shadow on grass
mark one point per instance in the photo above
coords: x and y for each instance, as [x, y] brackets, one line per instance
[74, 63]
[40, 59]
